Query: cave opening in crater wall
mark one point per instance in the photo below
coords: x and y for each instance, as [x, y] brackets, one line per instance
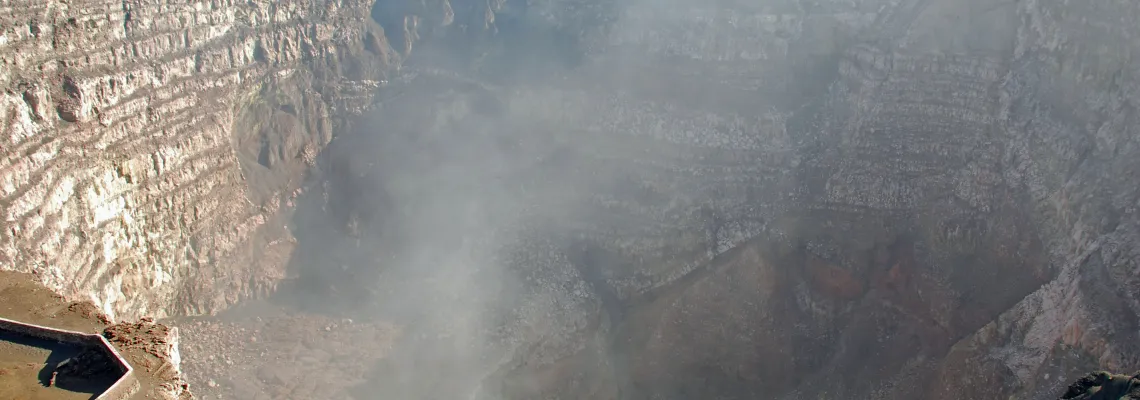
[657, 199]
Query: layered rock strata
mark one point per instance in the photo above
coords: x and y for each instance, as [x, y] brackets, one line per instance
[150, 146]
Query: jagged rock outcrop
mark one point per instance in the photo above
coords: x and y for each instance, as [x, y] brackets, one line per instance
[151, 146]
[153, 348]
[1103, 385]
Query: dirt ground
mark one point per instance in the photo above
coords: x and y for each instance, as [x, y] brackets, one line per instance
[143, 343]
[23, 299]
[259, 351]
[21, 365]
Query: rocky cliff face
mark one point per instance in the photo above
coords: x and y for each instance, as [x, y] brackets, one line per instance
[712, 199]
[150, 146]
[744, 200]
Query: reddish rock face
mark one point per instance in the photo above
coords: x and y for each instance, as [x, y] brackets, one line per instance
[740, 308]
[833, 281]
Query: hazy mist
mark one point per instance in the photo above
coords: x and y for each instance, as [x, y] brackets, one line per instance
[517, 192]
[466, 207]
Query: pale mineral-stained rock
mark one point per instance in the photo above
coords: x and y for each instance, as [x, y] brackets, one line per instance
[128, 133]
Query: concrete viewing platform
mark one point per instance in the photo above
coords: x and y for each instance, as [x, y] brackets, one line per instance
[40, 362]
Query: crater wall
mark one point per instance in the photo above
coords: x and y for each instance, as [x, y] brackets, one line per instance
[149, 147]
[907, 189]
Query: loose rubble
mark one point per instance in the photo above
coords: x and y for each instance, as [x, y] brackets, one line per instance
[283, 356]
